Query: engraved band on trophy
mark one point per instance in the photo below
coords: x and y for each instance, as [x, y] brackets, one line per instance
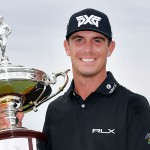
[22, 88]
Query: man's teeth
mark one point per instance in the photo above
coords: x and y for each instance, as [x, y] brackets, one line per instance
[87, 59]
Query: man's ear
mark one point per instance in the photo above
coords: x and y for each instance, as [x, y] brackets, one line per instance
[111, 48]
[66, 46]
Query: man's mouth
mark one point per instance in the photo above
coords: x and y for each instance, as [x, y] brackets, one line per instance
[87, 60]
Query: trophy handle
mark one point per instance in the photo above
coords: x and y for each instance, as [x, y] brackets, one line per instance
[55, 75]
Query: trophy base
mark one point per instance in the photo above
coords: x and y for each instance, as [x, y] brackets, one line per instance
[12, 128]
[21, 139]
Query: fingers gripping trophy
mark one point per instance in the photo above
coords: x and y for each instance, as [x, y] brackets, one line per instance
[22, 88]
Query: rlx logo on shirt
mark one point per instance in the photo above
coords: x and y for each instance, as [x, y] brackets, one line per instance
[102, 131]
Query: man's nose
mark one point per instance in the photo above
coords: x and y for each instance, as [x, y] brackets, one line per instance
[88, 47]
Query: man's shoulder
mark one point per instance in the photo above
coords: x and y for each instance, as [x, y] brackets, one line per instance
[133, 97]
[59, 101]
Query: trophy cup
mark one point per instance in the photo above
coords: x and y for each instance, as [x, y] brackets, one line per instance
[22, 88]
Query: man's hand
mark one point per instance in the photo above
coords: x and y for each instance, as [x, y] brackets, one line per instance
[20, 116]
[4, 121]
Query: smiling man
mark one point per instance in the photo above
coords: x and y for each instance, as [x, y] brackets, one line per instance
[96, 112]
[88, 51]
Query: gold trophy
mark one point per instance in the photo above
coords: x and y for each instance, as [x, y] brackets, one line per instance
[22, 88]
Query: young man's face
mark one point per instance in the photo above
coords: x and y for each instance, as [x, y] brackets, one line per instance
[88, 51]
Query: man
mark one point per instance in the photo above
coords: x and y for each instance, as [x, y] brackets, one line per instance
[4, 32]
[96, 112]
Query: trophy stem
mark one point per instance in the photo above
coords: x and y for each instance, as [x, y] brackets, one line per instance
[10, 114]
[9, 105]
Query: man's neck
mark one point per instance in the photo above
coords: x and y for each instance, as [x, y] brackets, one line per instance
[85, 86]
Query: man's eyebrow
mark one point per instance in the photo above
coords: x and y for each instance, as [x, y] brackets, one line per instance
[100, 37]
[76, 36]
[79, 36]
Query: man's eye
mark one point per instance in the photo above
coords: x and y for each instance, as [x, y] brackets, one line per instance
[98, 40]
[79, 39]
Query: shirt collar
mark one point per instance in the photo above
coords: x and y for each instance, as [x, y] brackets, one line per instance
[109, 85]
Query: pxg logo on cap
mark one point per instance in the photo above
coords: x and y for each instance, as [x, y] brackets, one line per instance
[89, 20]
[93, 20]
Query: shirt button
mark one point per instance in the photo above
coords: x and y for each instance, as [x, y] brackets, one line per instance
[83, 105]
[108, 86]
